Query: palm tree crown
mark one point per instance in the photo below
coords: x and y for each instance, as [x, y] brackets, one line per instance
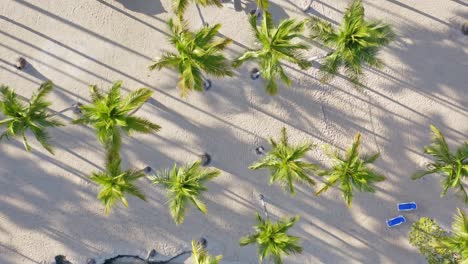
[276, 46]
[453, 166]
[197, 53]
[272, 240]
[284, 164]
[457, 241]
[351, 171]
[184, 184]
[34, 116]
[179, 6]
[115, 183]
[355, 43]
[111, 113]
[201, 256]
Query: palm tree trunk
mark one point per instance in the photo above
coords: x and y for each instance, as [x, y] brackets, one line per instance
[147, 171]
[255, 74]
[315, 58]
[205, 159]
[75, 107]
[150, 255]
[135, 110]
[206, 83]
[171, 259]
[260, 150]
[201, 16]
[262, 201]
[258, 10]
[62, 111]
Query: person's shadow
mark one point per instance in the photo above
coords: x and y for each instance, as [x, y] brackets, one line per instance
[149, 7]
[31, 70]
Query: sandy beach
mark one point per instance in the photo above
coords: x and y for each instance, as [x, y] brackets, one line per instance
[49, 207]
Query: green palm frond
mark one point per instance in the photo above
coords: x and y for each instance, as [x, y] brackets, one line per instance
[43, 137]
[38, 97]
[190, 79]
[351, 171]
[167, 60]
[355, 43]
[247, 55]
[452, 166]
[136, 99]
[96, 95]
[201, 256]
[184, 185]
[272, 239]
[277, 45]
[457, 241]
[209, 2]
[284, 163]
[34, 117]
[115, 184]
[179, 6]
[263, 4]
[110, 113]
[198, 53]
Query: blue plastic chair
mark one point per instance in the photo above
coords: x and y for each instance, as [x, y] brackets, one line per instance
[407, 206]
[396, 221]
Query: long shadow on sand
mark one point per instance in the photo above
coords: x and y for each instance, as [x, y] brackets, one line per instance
[328, 229]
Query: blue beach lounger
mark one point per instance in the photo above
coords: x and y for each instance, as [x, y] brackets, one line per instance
[396, 221]
[407, 206]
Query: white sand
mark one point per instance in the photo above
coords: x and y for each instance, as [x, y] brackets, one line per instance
[48, 207]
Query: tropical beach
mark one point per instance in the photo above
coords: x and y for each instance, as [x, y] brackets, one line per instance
[300, 123]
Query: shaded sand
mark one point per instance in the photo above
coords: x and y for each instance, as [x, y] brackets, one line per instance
[48, 207]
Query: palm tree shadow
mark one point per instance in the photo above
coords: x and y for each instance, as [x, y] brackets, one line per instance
[460, 2]
[149, 7]
[158, 105]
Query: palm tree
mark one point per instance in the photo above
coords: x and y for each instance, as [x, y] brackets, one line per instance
[261, 5]
[457, 241]
[424, 235]
[351, 171]
[272, 239]
[284, 163]
[201, 256]
[34, 117]
[276, 47]
[115, 183]
[355, 43]
[197, 53]
[452, 166]
[179, 6]
[184, 184]
[111, 113]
